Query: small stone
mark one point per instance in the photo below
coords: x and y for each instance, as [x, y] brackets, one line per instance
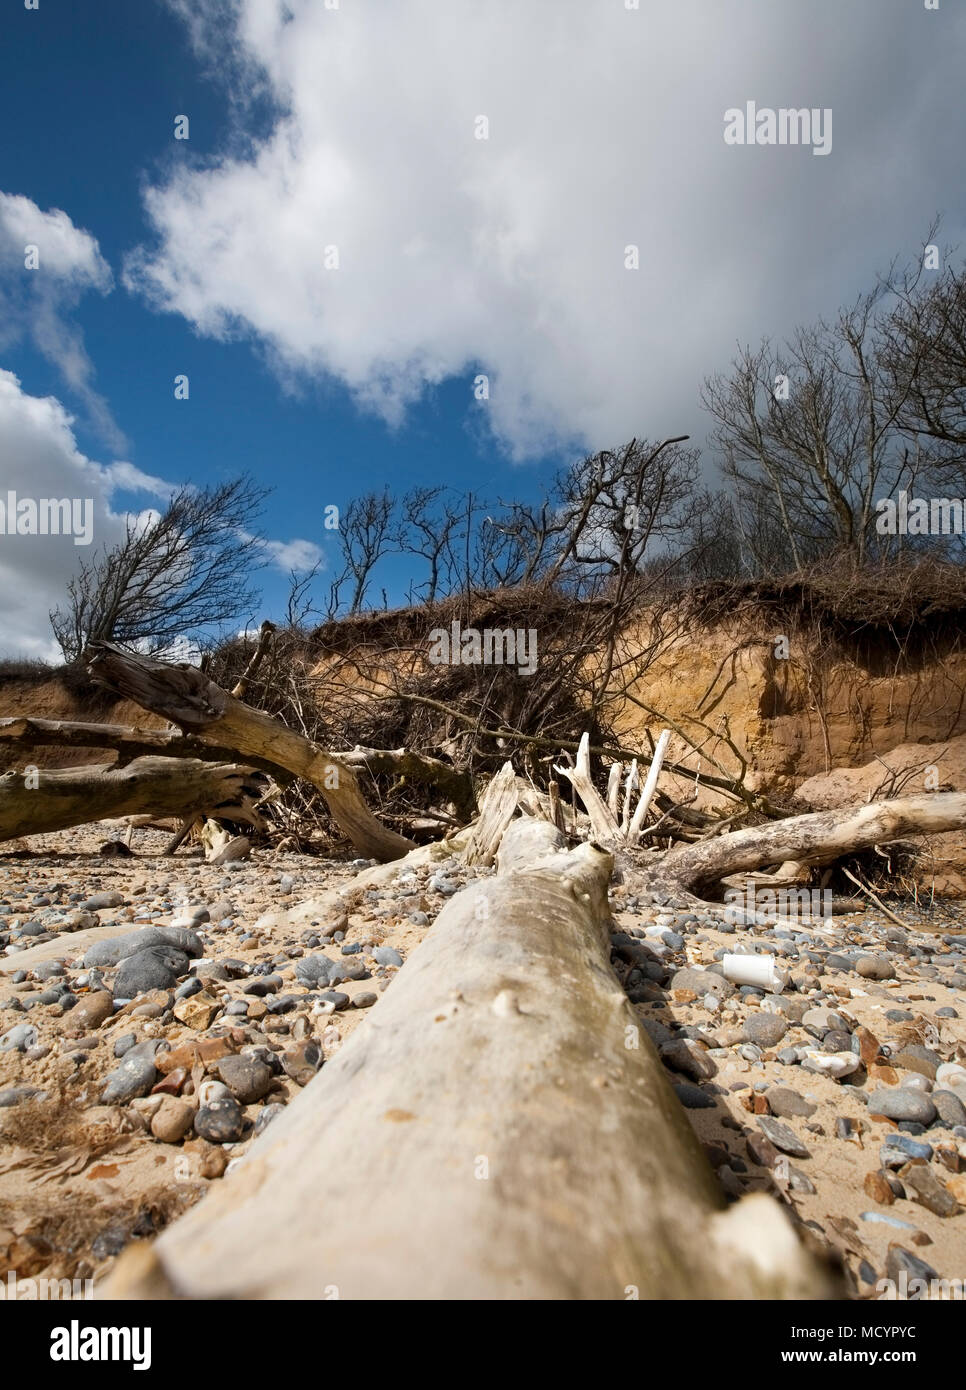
[701, 982]
[221, 1122]
[786, 1103]
[16, 1095]
[19, 1038]
[876, 1186]
[246, 1077]
[198, 1012]
[692, 1097]
[365, 1000]
[91, 1010]
[266, 1116]
[386, 955]
[930, 1190]
[900, 1261]
[134, 1077]
[917, 1059]
[902, 1104]
[302, 1061]
[684, 1056]
[833, 1064]
[157, 967]
[783, 1137]
[765, 1029]
[949, 1108]
[899, 1149]
[172, 1120]
[875, 968]
[99, 901]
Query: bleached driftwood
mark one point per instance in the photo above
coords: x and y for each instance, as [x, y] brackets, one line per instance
[499, 1127]
[186, 697]
[814, 839]
[43, 800]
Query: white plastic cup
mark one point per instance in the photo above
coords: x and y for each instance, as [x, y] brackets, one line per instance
[759, 971]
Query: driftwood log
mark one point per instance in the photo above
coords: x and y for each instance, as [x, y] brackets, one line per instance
[499, 1127]
[818, 838]
[42, 801]
[185, 696]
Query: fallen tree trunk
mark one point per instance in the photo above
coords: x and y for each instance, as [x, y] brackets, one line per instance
[43, 801]
[186, 697]
[500, 1127]
[23, 731]
[813, 839]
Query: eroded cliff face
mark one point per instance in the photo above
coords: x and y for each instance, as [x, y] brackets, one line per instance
[795, 712]
[817, 723]
[816, 728]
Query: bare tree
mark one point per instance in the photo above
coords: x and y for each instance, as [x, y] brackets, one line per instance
[923, 349]
[172, 577]
[428, 527]
[367, 534]
[808, 436]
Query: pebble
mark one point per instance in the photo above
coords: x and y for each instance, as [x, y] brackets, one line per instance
[949, 1108]
[702, 982]
[875, 968]
[91, 1010]
[302, 1061]
[246, 1077]
[386, 955]
[19, 1038]
[16, 1095]
[157, 967]
[765, 1029]
[172, 1120]
[898, 1149]
[134, 1077]
[692, 1097]
[783, 1137]
[899, 1104]
[787, 1104]
[220, 1122]
[930, 1190]
[267, 1114]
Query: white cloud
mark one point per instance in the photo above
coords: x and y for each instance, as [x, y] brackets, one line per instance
[606, 129]
[39, 458]
[37, 299]
[297, 555]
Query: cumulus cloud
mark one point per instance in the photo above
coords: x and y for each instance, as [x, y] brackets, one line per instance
[296, 556]
[39, 459]
[507, 254]
[46, 265]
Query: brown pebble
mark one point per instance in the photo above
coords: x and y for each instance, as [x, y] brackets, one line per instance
[172, 1120]
[877, 1187]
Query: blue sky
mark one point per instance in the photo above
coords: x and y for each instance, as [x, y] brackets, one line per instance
[353, 124]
